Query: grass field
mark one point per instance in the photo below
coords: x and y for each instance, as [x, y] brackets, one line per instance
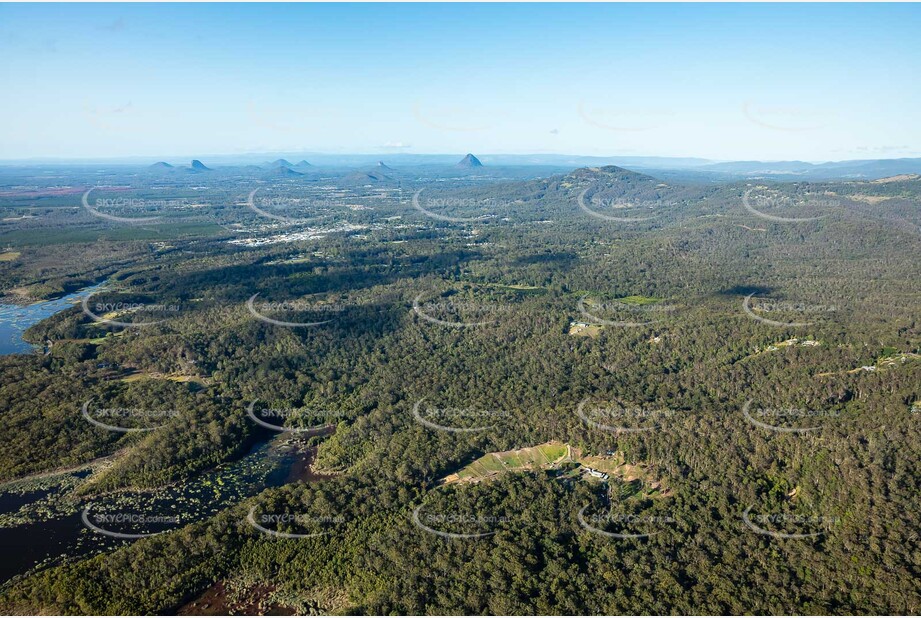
[530, 458]
[593, 297]
[638, 300]
[143, 375]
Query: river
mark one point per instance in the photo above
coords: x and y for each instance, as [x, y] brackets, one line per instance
[15, 319]
[41, 521]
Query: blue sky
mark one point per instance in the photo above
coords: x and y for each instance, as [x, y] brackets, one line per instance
[813, 82]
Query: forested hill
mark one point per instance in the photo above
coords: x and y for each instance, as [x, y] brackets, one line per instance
[739, 360]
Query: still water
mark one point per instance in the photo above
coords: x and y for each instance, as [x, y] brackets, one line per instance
[41, 524]
[15, 319]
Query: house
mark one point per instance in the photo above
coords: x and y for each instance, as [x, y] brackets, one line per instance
[598, 474]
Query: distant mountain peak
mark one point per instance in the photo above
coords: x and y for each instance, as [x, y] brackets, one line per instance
[284, 171]
[382, 166]
[303, 163]
[469, 161]
[198, 166]
[161, 165]
[609, 173]
[282, 163]
[368, 177]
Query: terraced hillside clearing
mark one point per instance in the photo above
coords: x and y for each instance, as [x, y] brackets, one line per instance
[886, 362]
[557, 455]
[547, 455]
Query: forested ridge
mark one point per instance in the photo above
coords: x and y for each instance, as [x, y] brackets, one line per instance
[666, 327]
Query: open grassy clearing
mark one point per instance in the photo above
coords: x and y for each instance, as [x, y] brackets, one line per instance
[172, 377]
[580, 329]
[638, 300]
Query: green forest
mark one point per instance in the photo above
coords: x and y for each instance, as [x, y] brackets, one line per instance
[766, 372]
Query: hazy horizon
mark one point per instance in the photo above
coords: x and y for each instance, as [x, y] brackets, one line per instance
[247, 158]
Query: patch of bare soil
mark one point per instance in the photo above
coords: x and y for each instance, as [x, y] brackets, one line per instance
[223, 600]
